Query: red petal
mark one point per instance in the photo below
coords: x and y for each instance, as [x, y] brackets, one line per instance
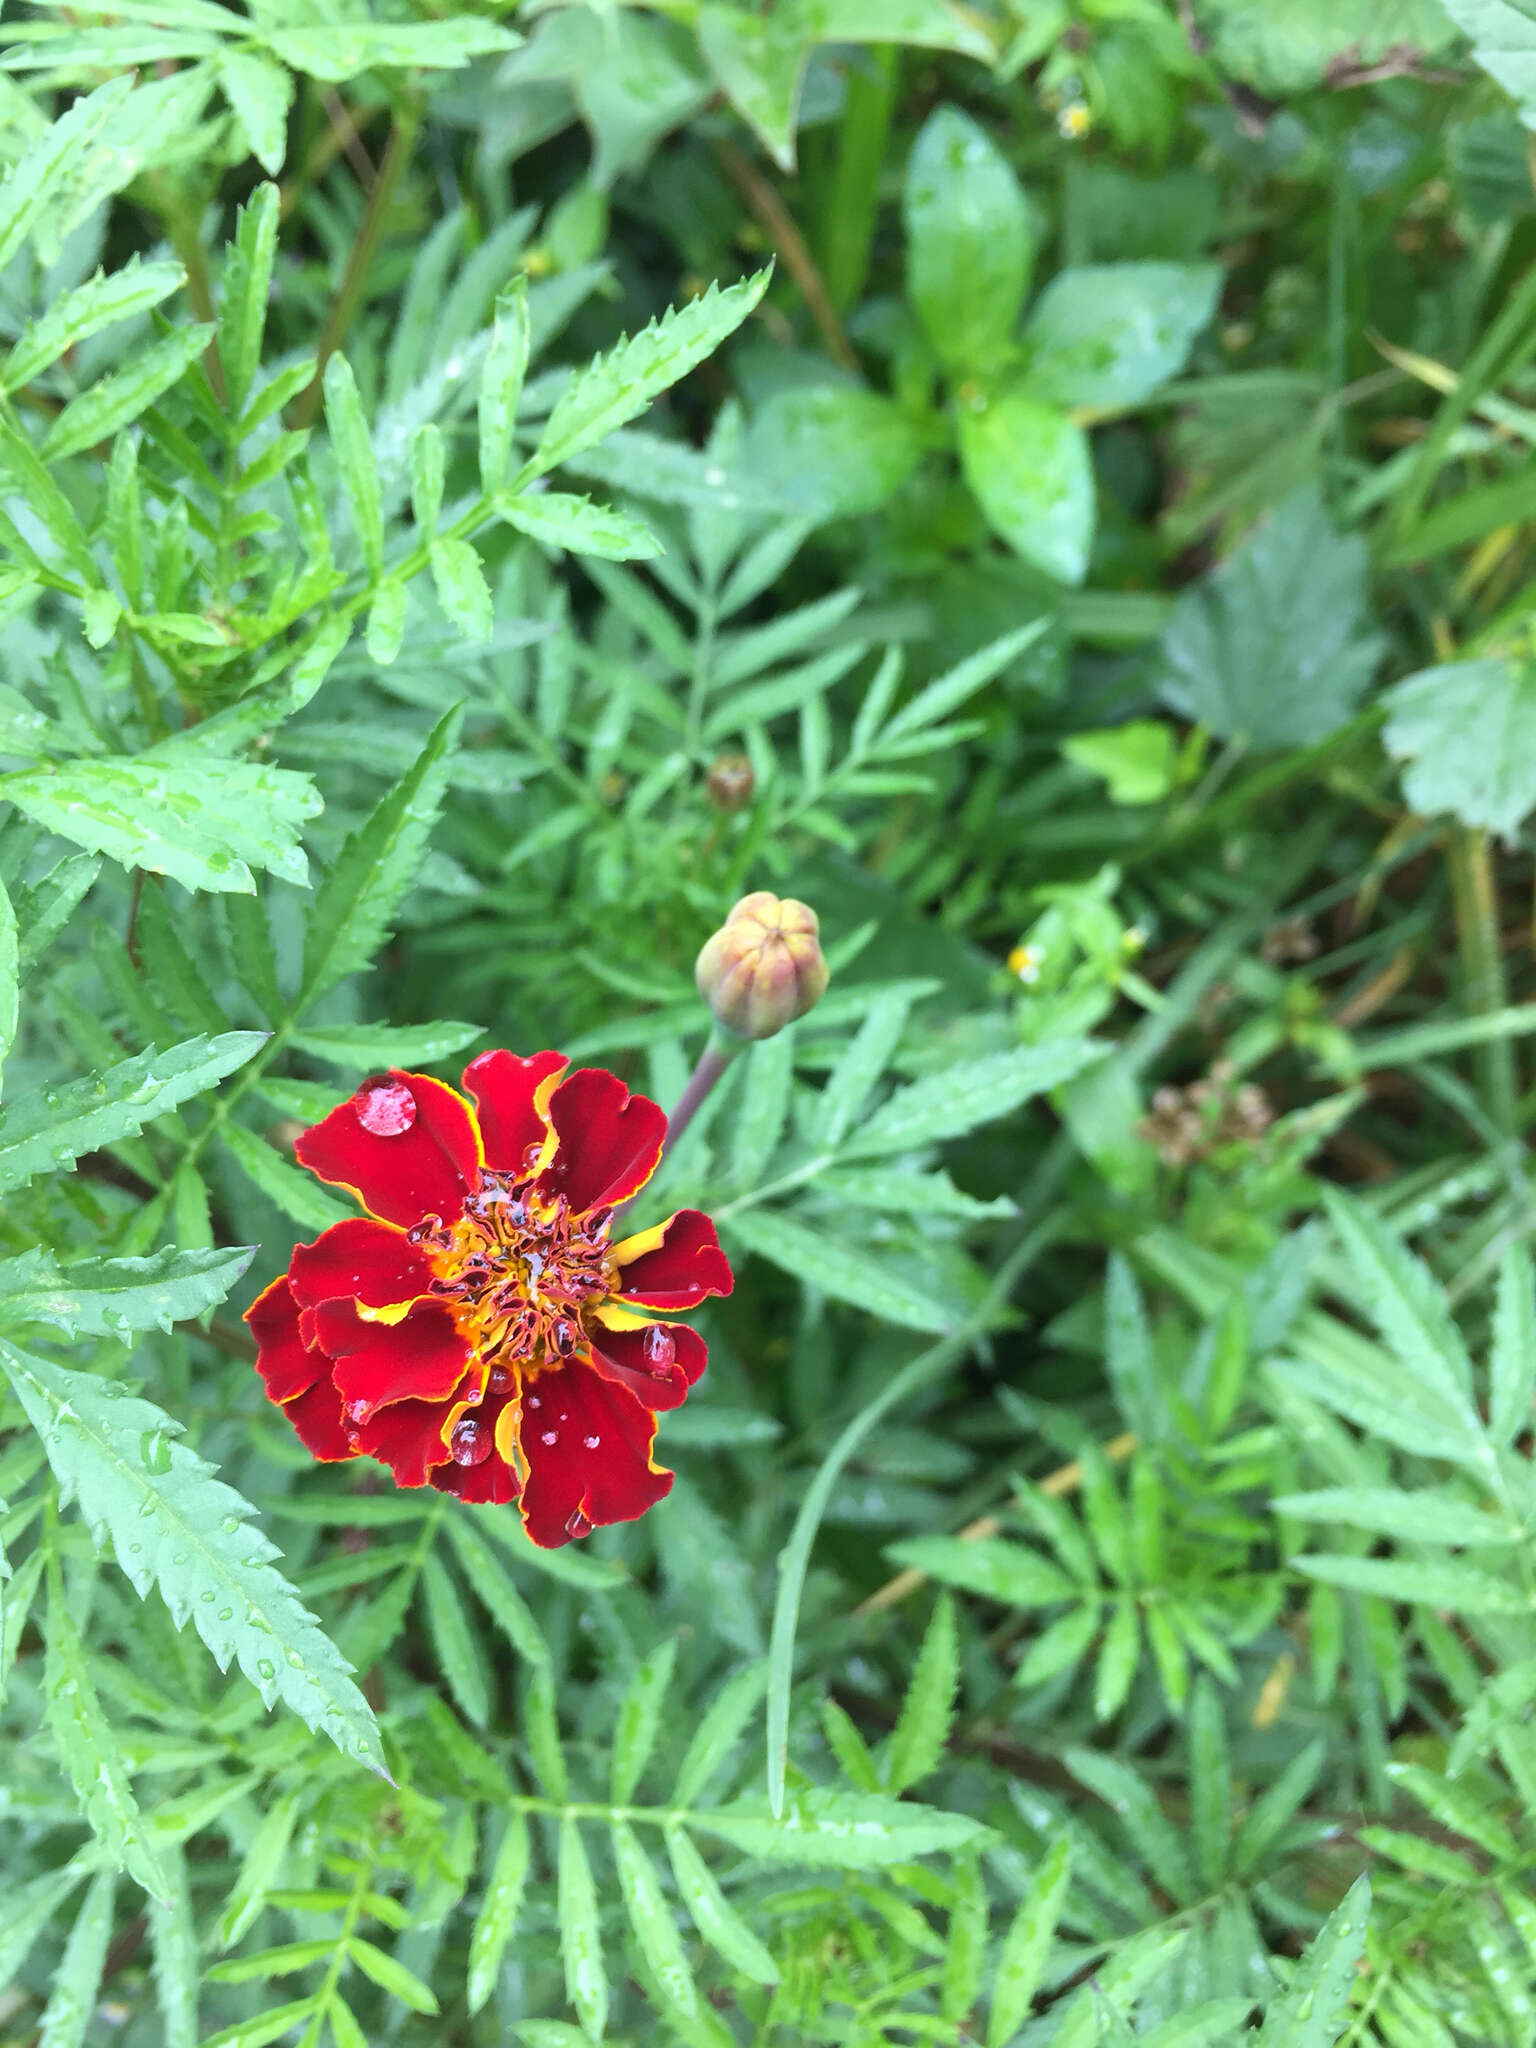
[286, 1363]
[426, 1169]
[610, 1140]
[503, 1087]
[587, 1445]
[678, 1271]
[493, 1479]
[407, 1436]
[318, 1419]
[621, 1356]
[420, 1358]
[371, 1262]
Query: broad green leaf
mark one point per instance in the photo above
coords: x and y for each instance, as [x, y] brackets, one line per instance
[922, 1728]
[97, 414]
[945, 1105]
[988, 1565]
[617, 386]
[817, 1258]
[834, 1830]
[1466, 732]
[970, 244]
[1232, 657]
[297, 1194]
[581, 1942]
[206, 826]
[1032, 473]
[716, 1919]
[651, 1917]
[51, 1127]
[1461, 1588]
[1312, 2009]
[247, 280]
[1027, 1945]
[77, 1980]
[1289, 49]
[634, 1735]
[88, 1749]
[557, 520]
[376, 865]
[1137, 760]
[172, 1523]
[111, 1297]
[832, 450]
[497, 1918]
[354, 458]
[1105, 335]
[366, 1047]
[98, 303]
[501, 384]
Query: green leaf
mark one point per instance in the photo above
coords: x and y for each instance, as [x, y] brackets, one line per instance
[259, 93]
[832, 450]
[495, 1589]
[1512, 1362]
[834, 1830]
[384, 629]
[651, 1917]
[501, 384]
[178, 1966]
[1210, 1771]
[557, 520]
[1312, 2009]
[1117, 1660]
[51, 1127]
[1032, 473]
[354, 458]
[28, 1910]
[31, 481]
[541, 1730]
[97, 414]
[988, 1565]
[1027, 1945]
[1466, 731]
[497, 1918]
[970, 245]
[206, 826]
[716, 1919]
[375, 867]
[1130, 1796]
[247, 280]
[617, 386]
[110, 1297]
[172, 1523]
[1430, 1582]
[88, 1749]
[264, 1859]
[461, 588]
[1408, 1307]
[945, 1105]
[1105, 335]
[1137, 760]
[298, 1195]
[817, 1258]
[759, 64]
[581, 1942]
[391, 1975]
[1059, 1647]
[100, 302]
[363, 1048]
[922, 1728]
[32, 184]
[1277, 1807]
[1232, 657]
[342, 49]
[722, 1727]
[1422, 1516]
[10, 961]
[77, 1980]
[1286, 50]
[634, 1736]
[449, 1627]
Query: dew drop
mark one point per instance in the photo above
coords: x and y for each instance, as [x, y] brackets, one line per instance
[135, 1548]
[226, 1614]
[499, 1378]
[531, 1157]
[471, 1442]
[386, 1108]
[577, 1524]
[534, 1401]
[358, 1411]
[591, 1442]
[266, 1668]
[208, 1595]
[659, 1349]
[550, 1436]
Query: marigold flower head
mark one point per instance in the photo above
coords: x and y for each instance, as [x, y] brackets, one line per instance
[478, 1330]
[764, 967]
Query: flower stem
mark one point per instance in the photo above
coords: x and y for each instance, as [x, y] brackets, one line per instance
[1474, 893]
[713, 1061]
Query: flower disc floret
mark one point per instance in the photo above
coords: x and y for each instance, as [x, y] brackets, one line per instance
[478, 1329]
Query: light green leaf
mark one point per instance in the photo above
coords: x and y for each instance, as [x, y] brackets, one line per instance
[1429, 1582]
[919, 1739]
[391, 1975]
[1421, 1516]
[259, 93]
[385, 627]
[263, 1862]
[832, 450]
[634, 1736]
[354, 458]
[205, 826]
[1105, 335]
[1027, 1945]
[988, 1565]
[10, 959]
[51, 1127]
[497, 1918]
[496, 1592]
[77, 1980]
[98, 303]
[361, 1048]
[1032, 474]
[501, 385]
[461, 588]
[718, 1733]
[758, 61]
[177, 1964]
[1137, 760]
[716, 1919]
[110, 1297]
[970, 244]
[247, 280]
[88, 1749]
[1407, 1305]
[172, 1523]
[97, 414]
[1313, 2008]
[1512, 1362]
[834, 1830]
[581, 1942]
[557, 520]
[448, 1626]
[28, 1909]
[617, 386]
[818, 1258]
[1466, 732]
[1285, 50]
[651, 1917]
[32, 185]
[341, 49]
[1117, 1659]
[298, 1195]
[946, 1105]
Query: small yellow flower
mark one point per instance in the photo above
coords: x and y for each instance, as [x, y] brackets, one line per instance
[1024, 961]
[1075, 120]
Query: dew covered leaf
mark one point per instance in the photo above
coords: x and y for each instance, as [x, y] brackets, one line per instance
[174, 1524]
[834, 1830]
[110, 1297]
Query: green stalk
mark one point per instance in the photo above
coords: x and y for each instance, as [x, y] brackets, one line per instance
[1474, 894]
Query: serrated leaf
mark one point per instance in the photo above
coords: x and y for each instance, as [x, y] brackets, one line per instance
[948, 1104]
[617, 386]
[495, 1589]
[497, 1917]
[557, 520]
[1424, 1515]
[177, 1964]
[651, 1917]
[1408, 1307]
[173, 1524]
[339, 50]
[834, 1830]
[10, 962]
[501, 385]
[1466, 732]
[206, 826]
[88, 1749]
[1133, 1799]
[77, 1980]
[354, 458]
[717, 1734]
[988, 1565]
[461, 588]
[1430, 1582]
[1512, 1361]
[298, 1195]
[634, 1735]
[366, 1047]
[922, 1728]
[110, 1297]
[375, 867]
[101, 301]
[51, 1127]
[264, 1858]
[33, 181]
[1312, 2009]
[716, 1919]
[581, 1942]
[391, 1975]
[247, 280]
[449, 1627]
[819, 1259]
[96, 415]
[1027, 1945]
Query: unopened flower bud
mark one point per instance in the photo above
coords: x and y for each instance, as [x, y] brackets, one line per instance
[730, 782]
[764, 967]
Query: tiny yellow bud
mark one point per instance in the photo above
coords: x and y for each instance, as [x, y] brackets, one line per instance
[764, 967]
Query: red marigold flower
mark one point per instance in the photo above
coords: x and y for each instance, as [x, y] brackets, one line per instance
[478, 1330]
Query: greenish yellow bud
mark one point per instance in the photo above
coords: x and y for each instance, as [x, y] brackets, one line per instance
[764, 967]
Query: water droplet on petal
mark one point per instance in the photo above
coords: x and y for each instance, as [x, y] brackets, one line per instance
[550, 1436]
[591, 1442]
[531, 1157]
[471, 1442]
[659, 1349]
[577, 1524]
[534, 1401]
[499, 1378]
[387, 1108]
[358, 1411]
